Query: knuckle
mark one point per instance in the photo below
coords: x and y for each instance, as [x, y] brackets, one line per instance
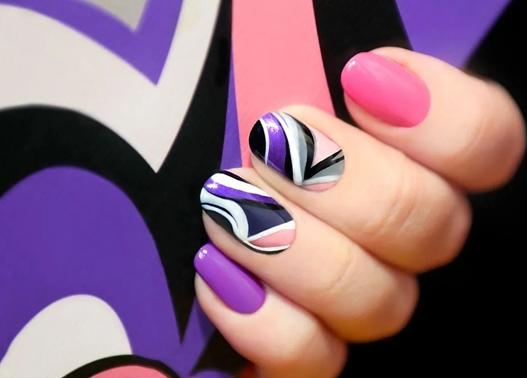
[444, 232]
[491, 150]
[291, 351]
[335, 277]
[402, 317]
[509, 136]
[390, 312]
[394, 211]
[479, 119]
[406, 306]
[458, 221]
[421, 220]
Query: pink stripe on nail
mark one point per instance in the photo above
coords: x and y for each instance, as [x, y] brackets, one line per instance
[320, 187]
[282, 238]
[324, 146]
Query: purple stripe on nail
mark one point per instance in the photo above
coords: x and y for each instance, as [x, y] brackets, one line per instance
[221, 190]
[277, 142]
[235, 286]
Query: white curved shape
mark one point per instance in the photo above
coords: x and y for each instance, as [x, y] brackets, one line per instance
[64, 336]
[46, 62]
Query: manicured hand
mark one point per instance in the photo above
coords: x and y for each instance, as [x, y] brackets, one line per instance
[320, 243]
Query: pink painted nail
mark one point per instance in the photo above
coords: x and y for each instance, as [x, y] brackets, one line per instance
[386, 90]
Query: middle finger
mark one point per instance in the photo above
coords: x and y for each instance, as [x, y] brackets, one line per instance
[402, 212]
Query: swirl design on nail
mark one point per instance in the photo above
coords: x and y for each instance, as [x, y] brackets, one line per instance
[299, 152]
[248, 213]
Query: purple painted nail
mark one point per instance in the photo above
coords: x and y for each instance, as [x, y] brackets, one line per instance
[238, 288]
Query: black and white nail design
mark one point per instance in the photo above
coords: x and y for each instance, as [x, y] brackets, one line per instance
[299, 152]
[248, 213]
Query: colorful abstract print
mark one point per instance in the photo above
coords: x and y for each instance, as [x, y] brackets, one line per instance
[297, 151]
[248, 213]
[143, 100]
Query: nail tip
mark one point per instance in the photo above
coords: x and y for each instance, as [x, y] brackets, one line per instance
[250, 310]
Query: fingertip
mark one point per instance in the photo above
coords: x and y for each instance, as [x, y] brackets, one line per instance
[281, 338]
[508, 137]
[467, 129]
[386, 89]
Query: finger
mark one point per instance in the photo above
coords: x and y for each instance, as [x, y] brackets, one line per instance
[467, 129]
[307, 261]
[402, 212]
[282, 339]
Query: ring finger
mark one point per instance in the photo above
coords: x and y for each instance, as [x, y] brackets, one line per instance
[304, 259]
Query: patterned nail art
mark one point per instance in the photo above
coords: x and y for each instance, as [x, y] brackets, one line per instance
[299, 152]
[247, 213]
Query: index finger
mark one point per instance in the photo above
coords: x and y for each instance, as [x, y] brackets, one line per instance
[467, 129]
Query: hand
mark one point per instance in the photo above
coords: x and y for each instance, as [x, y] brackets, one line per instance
[335, 222]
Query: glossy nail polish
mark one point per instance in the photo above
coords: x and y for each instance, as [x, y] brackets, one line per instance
[299, 152]
[247, 213]
[234, 285]
[386, 90]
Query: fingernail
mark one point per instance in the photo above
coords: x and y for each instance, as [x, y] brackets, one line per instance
[247, 213]
[235, 286]
[386, 90]
[304, 155]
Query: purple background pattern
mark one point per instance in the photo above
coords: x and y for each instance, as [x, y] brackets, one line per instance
[231, 156]
[145, 48]
[65, 231]
[449, 29]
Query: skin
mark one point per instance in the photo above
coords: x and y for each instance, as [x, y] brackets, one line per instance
[399, 209]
